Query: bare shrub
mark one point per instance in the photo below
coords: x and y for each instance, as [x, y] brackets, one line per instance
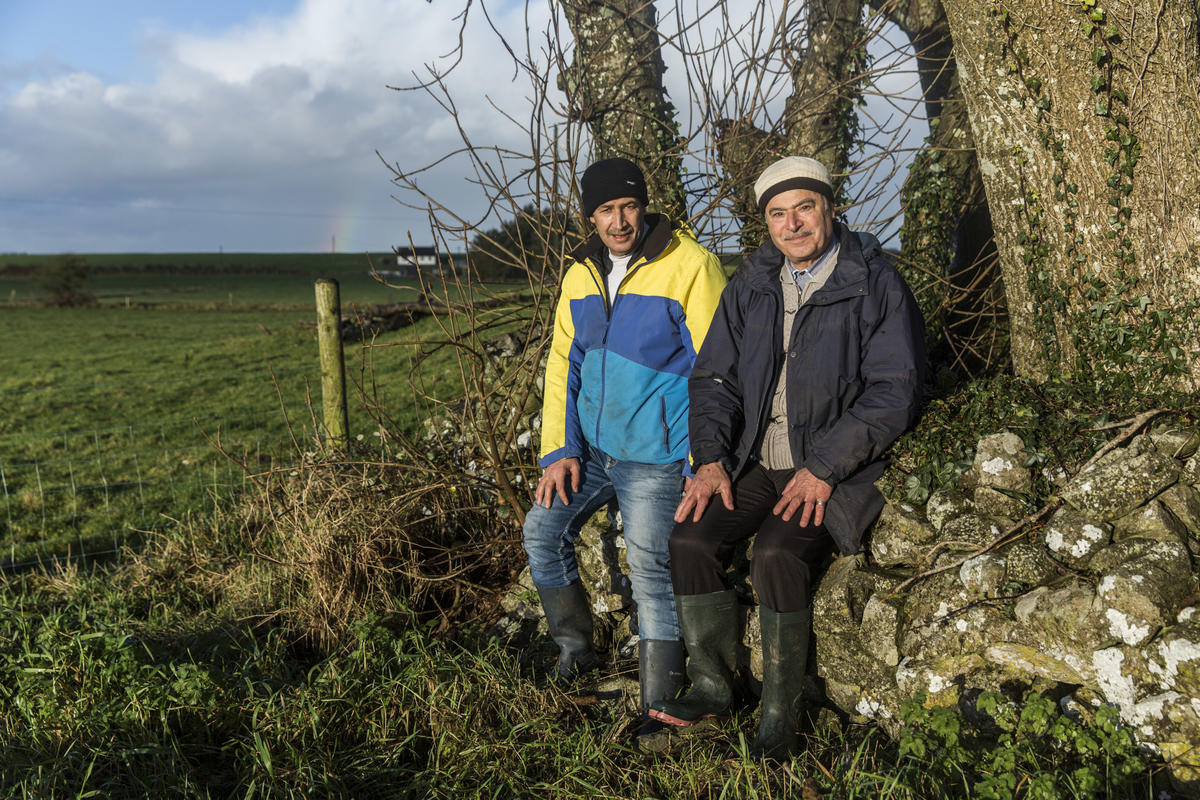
[359, 538]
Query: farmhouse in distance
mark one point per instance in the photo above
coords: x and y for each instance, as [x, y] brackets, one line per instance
[412, 261]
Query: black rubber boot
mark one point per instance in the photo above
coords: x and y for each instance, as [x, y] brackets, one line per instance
[661, 677]
[660, 670]
[785, 658]
[569, 618]
[710, 633]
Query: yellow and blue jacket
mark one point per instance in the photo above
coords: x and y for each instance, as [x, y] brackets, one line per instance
[617, 372]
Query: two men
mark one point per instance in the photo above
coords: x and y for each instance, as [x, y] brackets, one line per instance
[635, 305]
[811, 368]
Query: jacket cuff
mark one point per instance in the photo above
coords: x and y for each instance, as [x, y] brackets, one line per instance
[555, 455]
[725, 460]
[820, 469]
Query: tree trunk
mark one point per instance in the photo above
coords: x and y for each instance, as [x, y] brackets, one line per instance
[820, 120]
[820, 115]
[1087, 123]
[947, 255]
[615, 85]
[744, 152]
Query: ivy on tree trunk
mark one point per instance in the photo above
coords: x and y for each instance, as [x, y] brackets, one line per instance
[1086, 118]
[615, 86]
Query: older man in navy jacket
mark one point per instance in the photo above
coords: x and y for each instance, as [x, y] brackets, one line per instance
[812, 367]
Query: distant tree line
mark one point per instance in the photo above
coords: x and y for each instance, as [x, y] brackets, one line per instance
[511, 251]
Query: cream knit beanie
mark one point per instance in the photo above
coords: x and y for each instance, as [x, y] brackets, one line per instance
[792, 172]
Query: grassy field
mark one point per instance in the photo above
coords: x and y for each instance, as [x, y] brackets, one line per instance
[110, 413]
[235, 280]
[322, 633]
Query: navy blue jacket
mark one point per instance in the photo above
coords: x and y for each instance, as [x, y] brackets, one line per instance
[855, 368]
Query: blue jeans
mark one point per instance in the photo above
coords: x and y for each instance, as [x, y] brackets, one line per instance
[647, 495]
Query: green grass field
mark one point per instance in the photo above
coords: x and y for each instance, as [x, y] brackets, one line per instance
[232, 281]
[184, 668]
[110, 414]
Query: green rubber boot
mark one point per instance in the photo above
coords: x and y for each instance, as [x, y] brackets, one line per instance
[661, 677]
[710, 634]
[785, 659]
[569, 618]
[660, 670]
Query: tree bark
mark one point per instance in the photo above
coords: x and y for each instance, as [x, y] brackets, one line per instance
[947, 251]
[820, 115]
[615, 85]
[744, 152]
[819, 121]
[1087, 123]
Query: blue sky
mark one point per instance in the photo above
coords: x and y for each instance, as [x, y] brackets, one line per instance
[112, 39]
[243, 126]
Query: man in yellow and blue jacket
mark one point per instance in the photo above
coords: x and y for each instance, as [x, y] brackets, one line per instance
[636, 302]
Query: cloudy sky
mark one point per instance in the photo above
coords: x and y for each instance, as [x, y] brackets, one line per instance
[150, 126]
[259, 125]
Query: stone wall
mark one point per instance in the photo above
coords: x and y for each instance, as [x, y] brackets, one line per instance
[1092, 598]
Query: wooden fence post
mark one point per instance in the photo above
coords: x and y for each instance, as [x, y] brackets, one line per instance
[333, 365]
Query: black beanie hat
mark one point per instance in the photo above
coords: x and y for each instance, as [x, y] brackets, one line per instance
[609, 179]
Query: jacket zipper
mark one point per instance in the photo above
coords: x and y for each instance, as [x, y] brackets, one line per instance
[662, 402]
[779, 363]
[608, 314]
[780, 356]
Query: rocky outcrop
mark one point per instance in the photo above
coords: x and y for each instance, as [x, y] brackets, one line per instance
[1098, 604]
[1095, 601]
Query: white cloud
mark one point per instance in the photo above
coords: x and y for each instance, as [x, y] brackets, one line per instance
[264, 136]
[283, 113]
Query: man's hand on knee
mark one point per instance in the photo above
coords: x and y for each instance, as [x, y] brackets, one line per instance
[807, 492]
[554, 479]
[710, 479]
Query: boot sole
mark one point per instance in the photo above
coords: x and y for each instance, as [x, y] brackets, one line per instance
[677, 722]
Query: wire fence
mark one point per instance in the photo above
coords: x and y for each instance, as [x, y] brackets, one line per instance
[87, 493]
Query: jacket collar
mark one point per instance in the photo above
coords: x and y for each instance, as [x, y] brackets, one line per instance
[653, 244]
[761, 268]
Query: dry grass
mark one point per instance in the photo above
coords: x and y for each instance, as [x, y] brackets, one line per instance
[331, 542]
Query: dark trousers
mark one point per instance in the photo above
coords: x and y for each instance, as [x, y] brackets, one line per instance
[785, 555]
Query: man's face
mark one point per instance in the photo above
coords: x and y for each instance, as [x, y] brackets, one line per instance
[801, 225]
[619, 223]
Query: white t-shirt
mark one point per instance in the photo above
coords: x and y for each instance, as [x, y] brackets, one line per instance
[620, 265]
